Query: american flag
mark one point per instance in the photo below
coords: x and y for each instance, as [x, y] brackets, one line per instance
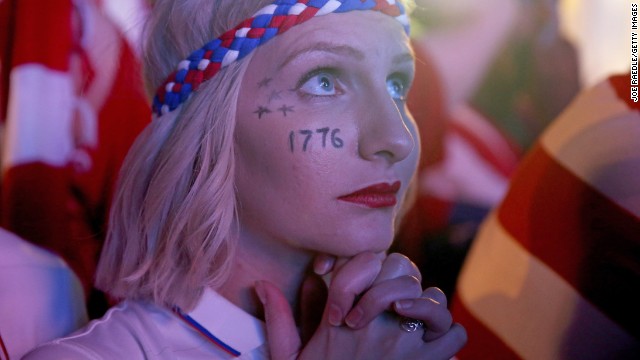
[554, 270]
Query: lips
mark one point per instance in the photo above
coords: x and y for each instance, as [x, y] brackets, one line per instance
[375, 196]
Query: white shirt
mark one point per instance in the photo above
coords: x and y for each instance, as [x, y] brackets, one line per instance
[40, 297]
[139, 330]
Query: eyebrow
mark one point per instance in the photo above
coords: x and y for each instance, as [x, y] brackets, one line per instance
[403, 58]
[343, 50]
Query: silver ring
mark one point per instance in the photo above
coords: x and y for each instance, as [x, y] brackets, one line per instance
[411, 325]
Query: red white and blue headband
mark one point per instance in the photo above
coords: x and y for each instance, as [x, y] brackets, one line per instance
[236, 43]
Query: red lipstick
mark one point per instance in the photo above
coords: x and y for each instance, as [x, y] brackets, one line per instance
[375, 196]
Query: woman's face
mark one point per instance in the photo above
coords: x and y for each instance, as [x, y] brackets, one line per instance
[325, 147]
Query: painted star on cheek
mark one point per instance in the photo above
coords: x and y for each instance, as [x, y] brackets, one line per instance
[264, 82]
[285, 108]
[261, 110]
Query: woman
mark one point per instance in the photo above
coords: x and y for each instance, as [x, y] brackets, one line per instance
[297, 148]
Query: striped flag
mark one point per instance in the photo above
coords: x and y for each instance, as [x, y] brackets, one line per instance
[72, 102]
[555, 269]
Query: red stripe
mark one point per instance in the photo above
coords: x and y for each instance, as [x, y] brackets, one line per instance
[482, 342]
[426, 103]
[7, 16]
[43, 33]
[587, 239]
[622, 86]
[5, 353]
[502, 167]
[307, 14]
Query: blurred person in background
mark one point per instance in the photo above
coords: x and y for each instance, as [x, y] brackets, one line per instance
[40, 297]
[71, 103]
[491, 65]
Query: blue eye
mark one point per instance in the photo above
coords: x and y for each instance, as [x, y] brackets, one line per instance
[397, 89]
[320, 84]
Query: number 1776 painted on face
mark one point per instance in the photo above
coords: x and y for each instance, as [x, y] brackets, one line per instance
[336, 142]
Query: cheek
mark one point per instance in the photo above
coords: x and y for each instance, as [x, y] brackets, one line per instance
[414, 158]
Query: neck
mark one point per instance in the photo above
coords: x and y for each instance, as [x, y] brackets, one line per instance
[261, 259]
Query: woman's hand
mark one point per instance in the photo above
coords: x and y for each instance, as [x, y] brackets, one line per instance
[369, 329]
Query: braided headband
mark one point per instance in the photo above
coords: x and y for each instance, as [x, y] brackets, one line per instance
[236, 43]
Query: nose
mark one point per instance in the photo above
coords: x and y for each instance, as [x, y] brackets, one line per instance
[383, 132]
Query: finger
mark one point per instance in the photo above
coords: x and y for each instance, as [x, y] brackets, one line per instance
[397, 265]
[380, 298]
[447, 345]
[351, 279]
[436, 317]
[284, 341]
[341, 261]
[313, 297]
[323, 264]
[435, 294]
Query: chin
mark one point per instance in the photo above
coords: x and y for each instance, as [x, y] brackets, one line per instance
[364, 241]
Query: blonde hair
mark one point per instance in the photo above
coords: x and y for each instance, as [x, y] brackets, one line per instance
[171, 223]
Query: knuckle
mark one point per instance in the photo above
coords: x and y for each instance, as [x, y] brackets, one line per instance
[413, 283]
[459, 333]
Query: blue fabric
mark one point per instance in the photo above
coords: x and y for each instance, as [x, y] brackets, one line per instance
[244, 46]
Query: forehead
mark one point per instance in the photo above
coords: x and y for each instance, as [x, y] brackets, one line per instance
[358, 34]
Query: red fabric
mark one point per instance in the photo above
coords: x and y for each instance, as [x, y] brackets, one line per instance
[622, 85]
[65, 207]
[581, 235]
[43, 33]
[5, 354]
[6, 26]
[426, 102]
[481, 341]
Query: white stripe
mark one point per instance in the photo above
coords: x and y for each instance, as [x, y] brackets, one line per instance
[202, 65]
[229, 57]
[39, 117]
[598, 138]
[229, 323]
[242, 32]
[297, 9]
[184, 65]
[329, 7]
[530, 307]
[403, 19]
[267, 10]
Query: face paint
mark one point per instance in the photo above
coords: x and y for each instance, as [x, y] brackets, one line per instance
[312, 174]
[285, 109]
[262, 110]
[321, 133]
[264, 82]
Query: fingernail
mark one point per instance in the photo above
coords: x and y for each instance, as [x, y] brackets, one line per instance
[353, 318]
[322, 267]
[404, 304]
[335, 315]
[261, 293]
